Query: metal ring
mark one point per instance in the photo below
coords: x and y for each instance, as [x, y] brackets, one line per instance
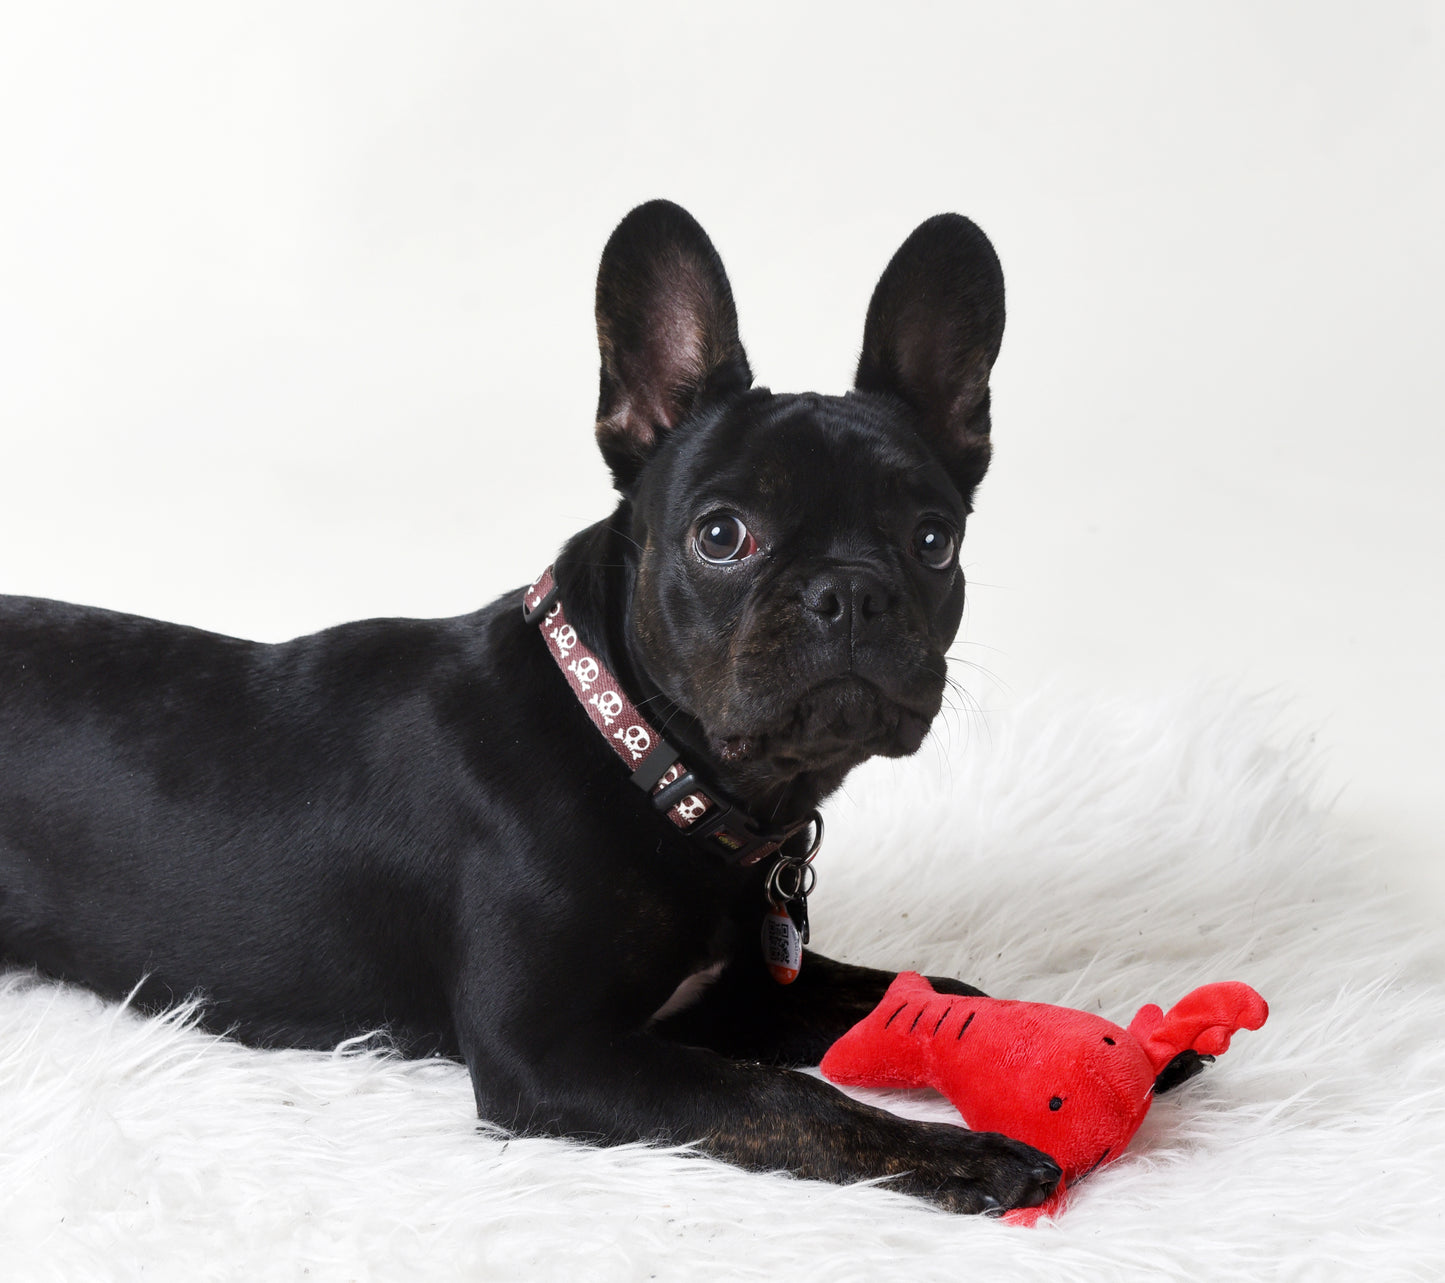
[809, 876]
[787, 888]
[817, 842]
[770, 887]
[792, 880]
[816, 820]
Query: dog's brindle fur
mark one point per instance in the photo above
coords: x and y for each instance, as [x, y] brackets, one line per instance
[413, 824]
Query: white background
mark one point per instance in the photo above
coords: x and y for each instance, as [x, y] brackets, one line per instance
[295, 314]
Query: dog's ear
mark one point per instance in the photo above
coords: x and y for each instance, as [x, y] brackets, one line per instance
[667, 330]
[933, 332]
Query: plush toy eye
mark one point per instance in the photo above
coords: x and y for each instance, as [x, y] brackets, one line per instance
[934, 544]
[722, 538]
[1109, 1040]
[1056, 1104]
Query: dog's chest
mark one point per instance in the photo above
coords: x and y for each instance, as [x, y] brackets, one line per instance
[689, 991]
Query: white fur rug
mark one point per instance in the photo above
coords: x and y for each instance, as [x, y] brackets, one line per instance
[1096, 855]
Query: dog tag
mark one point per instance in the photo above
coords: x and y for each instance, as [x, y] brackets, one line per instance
[782, 946]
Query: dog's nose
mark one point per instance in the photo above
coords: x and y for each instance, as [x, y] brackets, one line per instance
[847, 597]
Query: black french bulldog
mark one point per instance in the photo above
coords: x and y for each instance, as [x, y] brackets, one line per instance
[414, 824]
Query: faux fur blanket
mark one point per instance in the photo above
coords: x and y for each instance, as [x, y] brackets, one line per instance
[1095, 855]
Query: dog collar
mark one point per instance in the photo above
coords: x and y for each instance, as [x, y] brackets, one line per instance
[697, 809]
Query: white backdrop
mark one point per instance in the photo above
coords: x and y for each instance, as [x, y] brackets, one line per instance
[295, 313]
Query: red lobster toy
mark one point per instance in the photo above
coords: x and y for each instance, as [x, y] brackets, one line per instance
[1067, 1082]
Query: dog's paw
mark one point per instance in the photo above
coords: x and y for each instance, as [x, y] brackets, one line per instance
[984, 1172]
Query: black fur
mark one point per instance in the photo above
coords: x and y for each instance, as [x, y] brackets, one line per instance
[413, 823]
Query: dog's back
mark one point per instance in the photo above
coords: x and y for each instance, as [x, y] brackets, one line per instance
[417, 824]
[192, 812]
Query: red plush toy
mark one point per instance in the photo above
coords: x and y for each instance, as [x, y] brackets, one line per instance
[1067, 1082]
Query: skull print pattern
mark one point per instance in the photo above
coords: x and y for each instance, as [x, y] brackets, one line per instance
[625, 729]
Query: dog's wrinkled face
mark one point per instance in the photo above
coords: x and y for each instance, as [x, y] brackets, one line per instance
[797, 579]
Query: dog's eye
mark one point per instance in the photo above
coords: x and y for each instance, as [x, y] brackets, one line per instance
[723, 538]
[934, 544]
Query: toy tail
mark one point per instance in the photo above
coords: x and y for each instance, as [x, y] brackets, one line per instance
[1202, 1021]
[894, 1045]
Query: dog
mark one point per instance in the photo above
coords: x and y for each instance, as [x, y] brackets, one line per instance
[566, 838]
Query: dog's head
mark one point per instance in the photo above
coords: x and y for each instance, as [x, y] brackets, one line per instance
[796, 578]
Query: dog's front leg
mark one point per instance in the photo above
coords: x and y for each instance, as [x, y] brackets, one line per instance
[640, 1087]
[746, 1014]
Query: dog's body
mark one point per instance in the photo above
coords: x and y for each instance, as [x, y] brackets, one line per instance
[413, 824]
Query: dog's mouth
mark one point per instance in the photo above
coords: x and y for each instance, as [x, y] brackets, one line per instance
[839, 722]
